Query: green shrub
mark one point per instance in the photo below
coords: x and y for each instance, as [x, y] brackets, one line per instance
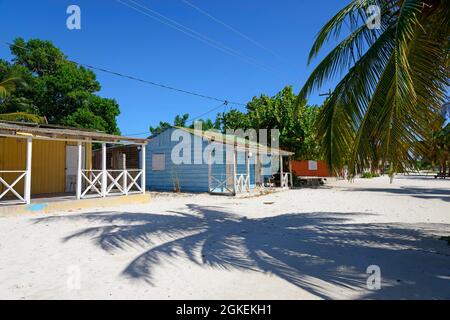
[367, 175]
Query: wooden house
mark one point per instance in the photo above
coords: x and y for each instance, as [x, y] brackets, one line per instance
[244, 165]
[41, 160]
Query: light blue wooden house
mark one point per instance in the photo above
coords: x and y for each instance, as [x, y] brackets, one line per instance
[187, 160]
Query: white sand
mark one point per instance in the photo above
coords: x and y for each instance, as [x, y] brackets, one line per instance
[308, 244]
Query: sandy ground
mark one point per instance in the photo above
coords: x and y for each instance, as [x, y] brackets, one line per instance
[297, 244]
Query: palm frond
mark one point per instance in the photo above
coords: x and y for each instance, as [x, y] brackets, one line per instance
[22, 117]
[383, 105]
[7, 86]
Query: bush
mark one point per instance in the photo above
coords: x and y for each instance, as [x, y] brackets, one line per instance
[367, 175]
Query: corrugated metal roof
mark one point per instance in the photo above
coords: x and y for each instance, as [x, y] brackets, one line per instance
[61, 132]
[240, 142]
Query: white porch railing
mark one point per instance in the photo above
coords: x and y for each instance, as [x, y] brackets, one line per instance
[130, 180]
[91, 180]
[219, 186]
[118, 182]
[242, 183]
[285, 180]
[20, 174]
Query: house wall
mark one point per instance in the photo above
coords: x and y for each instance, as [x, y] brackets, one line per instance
[300, 168]
[48, 168]
[191, 177]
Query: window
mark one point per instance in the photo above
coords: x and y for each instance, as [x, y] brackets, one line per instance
[312, 165]
[158, 162]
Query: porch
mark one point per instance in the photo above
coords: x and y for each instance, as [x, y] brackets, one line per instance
[55, 163]
[245, 171]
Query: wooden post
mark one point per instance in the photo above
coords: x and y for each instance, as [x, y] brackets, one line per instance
[234, 169]
[125, 174]
[143, 168]
[290, 171]
[79, 167]
[104, 172]
[257, 169]
[281, 171]
[27, 184]
[247, 163]
[209, 171]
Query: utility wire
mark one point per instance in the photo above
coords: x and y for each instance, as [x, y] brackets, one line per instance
[209, 111]
[236, 31]
[138, 79]
[192, 33]
[192, 119]
[241, 34]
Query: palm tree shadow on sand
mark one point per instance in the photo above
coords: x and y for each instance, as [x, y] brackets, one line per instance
[314, 251]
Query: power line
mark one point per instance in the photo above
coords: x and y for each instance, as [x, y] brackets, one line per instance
[192, 33]
[139, 79]
[209, 111]
[192, 119]
[236, 31]
[241, 34]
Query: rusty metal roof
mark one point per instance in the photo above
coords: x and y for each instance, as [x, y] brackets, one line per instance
[240, 142]
[56, 132]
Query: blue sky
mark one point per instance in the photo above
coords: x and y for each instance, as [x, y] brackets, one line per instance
[116, 37]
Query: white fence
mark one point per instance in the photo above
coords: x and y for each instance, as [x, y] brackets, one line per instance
[284, 180]
[242, 183]
[117, 182]
[9, 187]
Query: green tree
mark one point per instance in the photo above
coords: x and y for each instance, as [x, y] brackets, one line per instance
[181, 121]
[207, 124]
[22, 117]
[285, 112]
[160, 127]
[395, 79]
[7, 86]
[438, 145]
[57, 88]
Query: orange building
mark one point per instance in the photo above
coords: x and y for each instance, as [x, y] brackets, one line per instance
[310, 168]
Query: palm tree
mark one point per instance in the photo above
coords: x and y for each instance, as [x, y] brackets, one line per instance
[7, 86]
[395, 80]
[22, 117]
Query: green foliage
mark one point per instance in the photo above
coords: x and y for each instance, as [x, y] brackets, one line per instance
[207, 124]
[438, 145]
[56, 88]
[181, 121]
[22, 117]
[369, 175]
[160, 128]
[395, 80]
[292, 117]
[7, 87]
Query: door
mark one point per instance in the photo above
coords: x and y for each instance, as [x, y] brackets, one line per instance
[72, 166]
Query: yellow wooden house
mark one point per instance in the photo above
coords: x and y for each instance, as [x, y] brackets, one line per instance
[39, 160]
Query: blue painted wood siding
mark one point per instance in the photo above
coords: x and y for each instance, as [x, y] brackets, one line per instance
[191, 177]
